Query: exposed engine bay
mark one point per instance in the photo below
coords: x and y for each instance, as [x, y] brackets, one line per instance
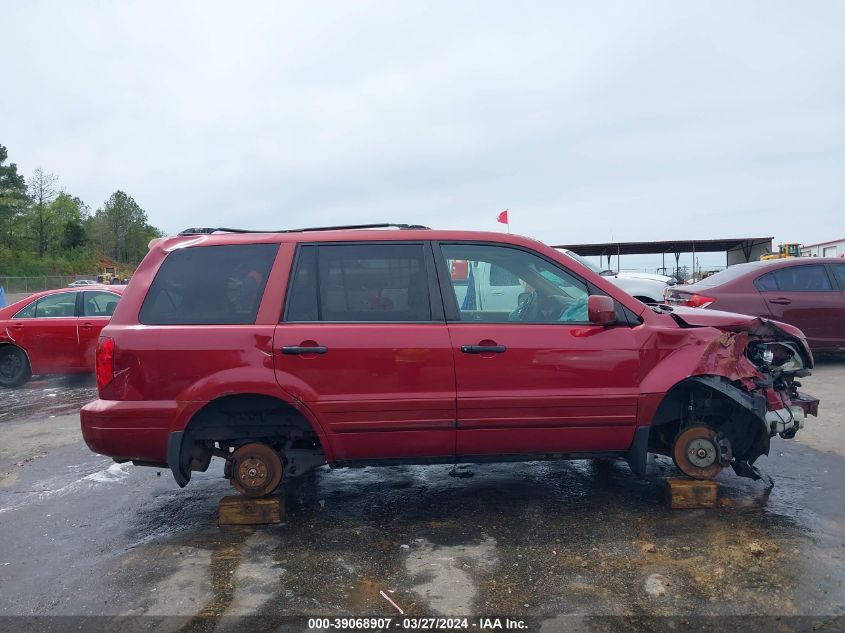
[743, 392]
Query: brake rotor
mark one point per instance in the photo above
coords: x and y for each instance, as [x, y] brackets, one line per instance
[697, 452]
[256, 470]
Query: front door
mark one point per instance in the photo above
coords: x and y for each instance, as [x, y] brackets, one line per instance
[364, 344]
[47, 331]
[534, 376]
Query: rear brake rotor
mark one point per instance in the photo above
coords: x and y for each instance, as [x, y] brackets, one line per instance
[256, 470]
[697, 452]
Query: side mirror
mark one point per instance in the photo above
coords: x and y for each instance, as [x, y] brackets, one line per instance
[523, 298]
[601, 310]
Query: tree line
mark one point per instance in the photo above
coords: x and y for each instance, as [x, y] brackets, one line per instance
[47, 230]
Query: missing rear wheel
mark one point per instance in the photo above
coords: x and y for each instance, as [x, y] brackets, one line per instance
[256, 470]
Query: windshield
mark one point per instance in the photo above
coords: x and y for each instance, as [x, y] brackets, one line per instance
[581, 260]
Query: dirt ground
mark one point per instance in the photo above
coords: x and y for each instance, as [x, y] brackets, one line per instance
[557, 546]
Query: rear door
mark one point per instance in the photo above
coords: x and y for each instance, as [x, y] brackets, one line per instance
[533, 375]
[94, 314]
[805, 296]
[364, 344]
[46, 330]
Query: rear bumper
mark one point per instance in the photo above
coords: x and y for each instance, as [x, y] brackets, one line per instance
[129, 430]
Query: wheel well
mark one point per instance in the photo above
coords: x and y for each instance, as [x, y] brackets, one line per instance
[712, 401]
[11, 344]
[230, 421]
[249, 417]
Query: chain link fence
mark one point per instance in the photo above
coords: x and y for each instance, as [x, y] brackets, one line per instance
[35, 284]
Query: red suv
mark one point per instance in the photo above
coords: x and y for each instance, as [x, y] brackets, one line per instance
[282, 351]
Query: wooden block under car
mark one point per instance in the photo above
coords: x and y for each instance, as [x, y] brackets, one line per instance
[692, 493]
[240, 510]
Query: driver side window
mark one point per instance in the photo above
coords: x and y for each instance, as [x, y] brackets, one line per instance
[500, 284]
[62, 304]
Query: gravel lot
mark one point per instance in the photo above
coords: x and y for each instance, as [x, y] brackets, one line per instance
[570, 546]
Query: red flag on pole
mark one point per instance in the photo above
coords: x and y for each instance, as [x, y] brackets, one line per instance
[503, 217]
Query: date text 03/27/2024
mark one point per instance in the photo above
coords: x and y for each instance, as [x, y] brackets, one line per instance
[418, 624]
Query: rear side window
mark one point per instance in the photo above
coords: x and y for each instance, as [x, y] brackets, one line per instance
[359, 282]
[99, 304]
[812, 278]
[209, 285]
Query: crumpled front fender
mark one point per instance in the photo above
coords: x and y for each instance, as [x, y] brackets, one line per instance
[755, 402]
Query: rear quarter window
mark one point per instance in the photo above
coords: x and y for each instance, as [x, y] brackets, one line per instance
[209, 285]
[766, 283]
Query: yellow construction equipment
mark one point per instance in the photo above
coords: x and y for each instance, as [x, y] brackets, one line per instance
[784, 251]
[107, 272]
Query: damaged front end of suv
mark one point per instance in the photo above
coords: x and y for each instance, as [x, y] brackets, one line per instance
[741, 391]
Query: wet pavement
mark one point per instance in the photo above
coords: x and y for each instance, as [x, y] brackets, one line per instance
[570, 545]
[46, 396]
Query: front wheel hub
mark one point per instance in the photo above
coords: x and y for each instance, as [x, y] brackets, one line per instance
[698, 452]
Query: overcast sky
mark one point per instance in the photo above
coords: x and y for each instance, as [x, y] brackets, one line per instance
[589, 121]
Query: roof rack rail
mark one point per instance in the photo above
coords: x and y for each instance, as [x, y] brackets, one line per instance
[385, 225]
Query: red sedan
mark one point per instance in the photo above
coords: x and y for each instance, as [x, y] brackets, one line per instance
[54, 332]
[808, 292]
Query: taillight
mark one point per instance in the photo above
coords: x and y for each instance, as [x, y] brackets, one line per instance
[696, 301]
[105, 361]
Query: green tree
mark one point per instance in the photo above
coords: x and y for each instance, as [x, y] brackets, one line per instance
[42, 191]
[44, 231]
[13, 198]
[73, 235]
[67, 215]
[120, 229]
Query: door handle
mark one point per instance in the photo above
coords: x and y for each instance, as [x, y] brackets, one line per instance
[497, 293]
[483, 349]
[781, 301]
[297, 349]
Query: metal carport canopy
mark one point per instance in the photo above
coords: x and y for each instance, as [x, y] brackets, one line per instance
[668, 246]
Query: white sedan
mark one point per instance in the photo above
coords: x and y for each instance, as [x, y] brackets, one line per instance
[646, 287]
